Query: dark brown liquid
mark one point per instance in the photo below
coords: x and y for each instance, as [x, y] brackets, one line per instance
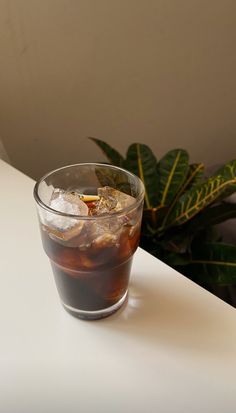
[94, 278]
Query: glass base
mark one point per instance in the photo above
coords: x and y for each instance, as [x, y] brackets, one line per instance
[95, 315]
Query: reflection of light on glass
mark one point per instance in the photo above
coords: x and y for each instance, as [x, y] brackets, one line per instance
[134, 304]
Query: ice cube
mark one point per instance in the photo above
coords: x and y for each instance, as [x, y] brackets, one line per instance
[46, 191]
[134, 229]
[61, 226]
[106, 231]
[105, 240]
[112, 200]
[101, 232]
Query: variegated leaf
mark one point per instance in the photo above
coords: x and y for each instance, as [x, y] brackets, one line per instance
[172, 172]
[196, 199]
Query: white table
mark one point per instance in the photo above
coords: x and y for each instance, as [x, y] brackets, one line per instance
[172, 348]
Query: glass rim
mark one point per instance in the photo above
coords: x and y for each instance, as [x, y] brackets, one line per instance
[129, 208]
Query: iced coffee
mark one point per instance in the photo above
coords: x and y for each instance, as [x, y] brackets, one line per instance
[90, 235]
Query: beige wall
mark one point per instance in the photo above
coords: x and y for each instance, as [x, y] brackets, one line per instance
[161, 72]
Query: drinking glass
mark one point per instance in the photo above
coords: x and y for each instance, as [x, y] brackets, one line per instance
[91, 254]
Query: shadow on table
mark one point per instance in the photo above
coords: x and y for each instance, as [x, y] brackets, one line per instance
[171, 318]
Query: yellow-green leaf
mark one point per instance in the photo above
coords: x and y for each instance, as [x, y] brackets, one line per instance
[196, 199]
[172, 172]
[195, 174]
[142, 162]
[212, 215]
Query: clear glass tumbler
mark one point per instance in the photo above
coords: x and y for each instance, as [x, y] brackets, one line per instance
[90, 219]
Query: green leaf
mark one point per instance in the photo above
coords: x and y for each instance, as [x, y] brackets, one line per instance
[172, 172]
[111, 178]
[228, 172]
[195, 174]
[154, 216]
[142, 162]
[199, 197]
[114, 157]
[212, 216]
[199, 229]
[213, 263]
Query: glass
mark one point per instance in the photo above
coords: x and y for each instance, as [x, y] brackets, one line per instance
[90, 251]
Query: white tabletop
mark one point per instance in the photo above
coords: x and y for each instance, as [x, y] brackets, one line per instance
[172, 348]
